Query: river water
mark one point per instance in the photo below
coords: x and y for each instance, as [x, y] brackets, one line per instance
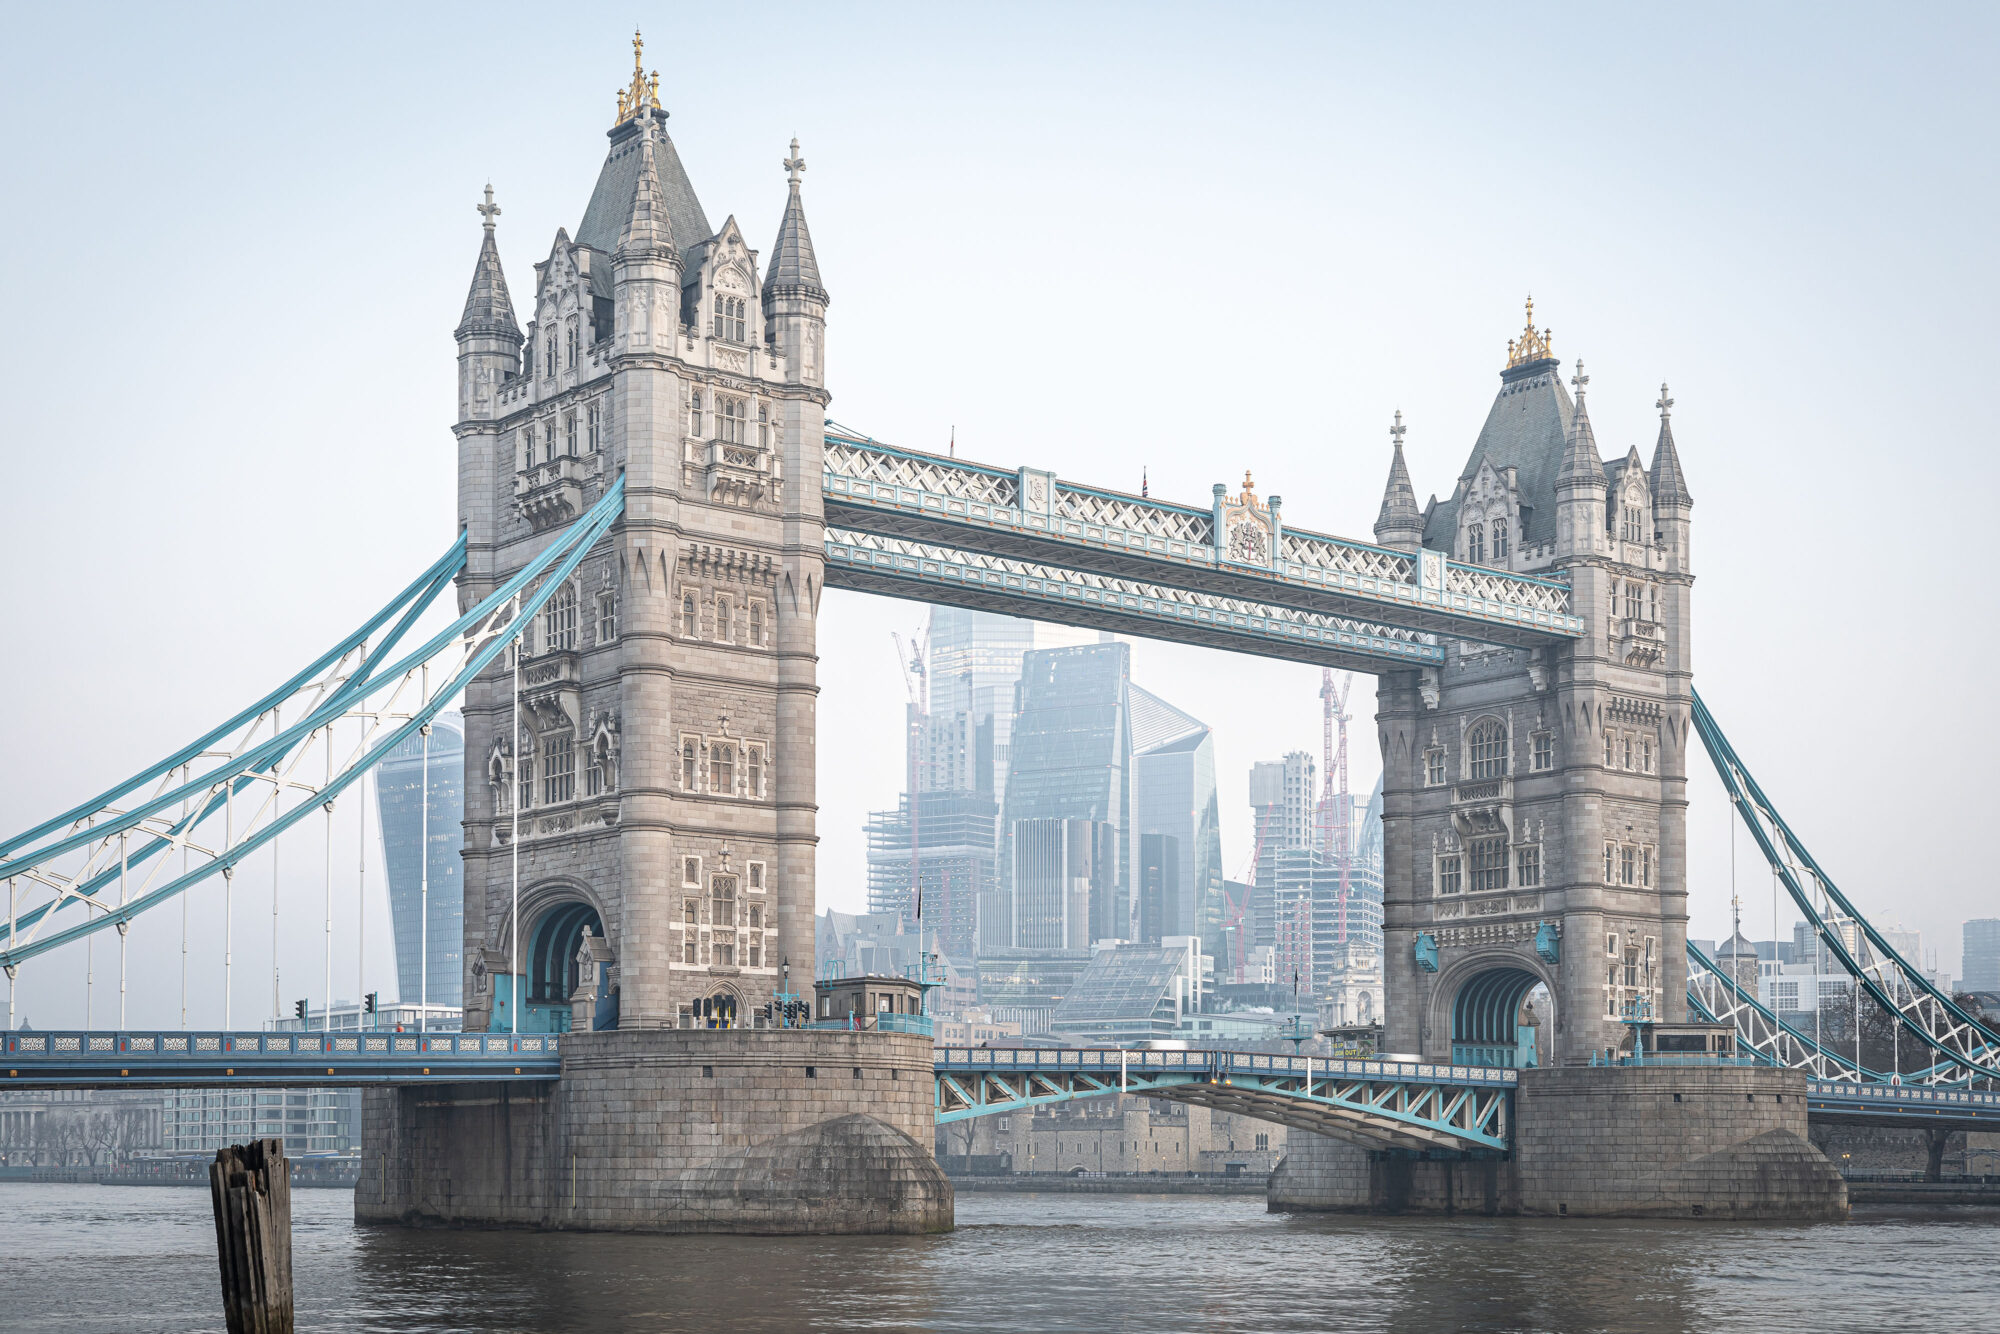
[142, 1261]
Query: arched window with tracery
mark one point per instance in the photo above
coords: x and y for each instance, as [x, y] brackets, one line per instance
[1486, 750]
[690, 617]
[1475, 544]
[559, 620]
[1500, 539]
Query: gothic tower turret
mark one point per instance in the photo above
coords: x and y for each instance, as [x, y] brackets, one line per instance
[1400, 525]
[1534, 800]
[489, 356]
[642, 764]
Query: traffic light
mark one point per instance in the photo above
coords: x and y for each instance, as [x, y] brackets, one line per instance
[299, 1009]
[368, 1003]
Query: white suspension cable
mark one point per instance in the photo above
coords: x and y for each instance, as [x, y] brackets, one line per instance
[424, 885]
[514, 846]
[184, 910]
[328, 989]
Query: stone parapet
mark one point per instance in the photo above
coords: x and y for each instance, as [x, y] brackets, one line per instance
[666, 1130]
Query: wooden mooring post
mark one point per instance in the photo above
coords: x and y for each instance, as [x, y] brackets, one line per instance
[252, 1188]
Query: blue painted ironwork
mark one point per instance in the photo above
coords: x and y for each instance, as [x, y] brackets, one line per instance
[1426, 952]
[66, 1059]
[1902, 1104]
[150, 825]
[1384, 1104]
[1921, 1010]
[901, 567]
[1032, 516]
[1548, 945]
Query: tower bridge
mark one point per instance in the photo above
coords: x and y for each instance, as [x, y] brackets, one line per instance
[651, 501]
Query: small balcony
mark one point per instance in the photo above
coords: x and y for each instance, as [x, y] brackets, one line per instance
[1642, 643]
[1483, 806]
[740, 474]
[552, 492]
[552, 687]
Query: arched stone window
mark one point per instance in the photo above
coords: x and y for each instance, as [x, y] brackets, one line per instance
[559, 620]
[1486, 750]
[694, 415]
[690, 616]
[688, 760]
[1475, 544]
[1499, 539]
[757, 624]
[722, 768]
[723, 630]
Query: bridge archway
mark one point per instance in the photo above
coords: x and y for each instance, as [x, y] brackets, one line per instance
[551, 967]
[1486, 1008]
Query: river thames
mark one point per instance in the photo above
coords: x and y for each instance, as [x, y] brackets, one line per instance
[142, 1261]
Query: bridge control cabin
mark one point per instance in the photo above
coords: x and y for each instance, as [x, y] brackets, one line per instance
[872, 1001]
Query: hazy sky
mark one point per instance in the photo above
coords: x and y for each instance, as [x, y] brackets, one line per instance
[1092, 238]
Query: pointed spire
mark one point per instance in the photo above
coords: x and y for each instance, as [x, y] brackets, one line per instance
[1399, 524]
[794, 271]
[646, 230]
[1669, 484]
[488, 309]
[1580, 461]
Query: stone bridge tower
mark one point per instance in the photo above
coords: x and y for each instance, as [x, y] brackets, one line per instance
[1534, 802]
[655, 804]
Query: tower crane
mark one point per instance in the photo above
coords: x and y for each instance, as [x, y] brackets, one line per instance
[1336, 804]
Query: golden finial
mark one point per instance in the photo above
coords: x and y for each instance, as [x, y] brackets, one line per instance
[1248, 496]
[644, 91]
[1532, 345]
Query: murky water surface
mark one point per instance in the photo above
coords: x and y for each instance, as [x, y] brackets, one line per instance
[140, 1261]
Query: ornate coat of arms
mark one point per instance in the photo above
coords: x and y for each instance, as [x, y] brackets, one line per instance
[1246, 525]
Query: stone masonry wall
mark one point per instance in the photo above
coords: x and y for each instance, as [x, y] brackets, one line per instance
[762, 1131]
[1702, 1142]
[1667, 1141]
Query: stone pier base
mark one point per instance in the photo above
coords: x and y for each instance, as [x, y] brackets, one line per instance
[1611, 1142]
[668, 1130]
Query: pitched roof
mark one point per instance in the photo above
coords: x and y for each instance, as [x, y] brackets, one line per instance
[488, 309]
[1526, 429]
[1669, 484]
[1580, 460]
[794, 271]
[647, 229]
[1399, 498]
[618, 181]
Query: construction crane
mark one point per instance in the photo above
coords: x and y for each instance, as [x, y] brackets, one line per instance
[1336, 805]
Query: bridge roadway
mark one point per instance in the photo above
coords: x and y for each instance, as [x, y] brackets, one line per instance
[1384, 1104]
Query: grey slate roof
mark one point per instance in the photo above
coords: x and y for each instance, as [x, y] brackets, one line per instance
[1527, 429]
[1399, 498]
[1581, 460]
[611, 202]
[647, 229]
[488, 309]
[793, 269]
[1669, 484]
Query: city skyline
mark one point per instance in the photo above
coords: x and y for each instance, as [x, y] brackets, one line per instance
[1742, 415]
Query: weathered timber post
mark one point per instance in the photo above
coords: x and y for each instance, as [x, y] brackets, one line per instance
[251, 1185]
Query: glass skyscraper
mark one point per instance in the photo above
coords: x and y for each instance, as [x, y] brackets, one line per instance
[1173, 763]
[1070, 758]
[399, 802]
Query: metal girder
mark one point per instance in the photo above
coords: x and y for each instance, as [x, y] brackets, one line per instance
[224, 796]
[1913, 1105]
[1380, 1104]
[1033, 517]
[176, 1059]
[895, 567]
[1966, 1048]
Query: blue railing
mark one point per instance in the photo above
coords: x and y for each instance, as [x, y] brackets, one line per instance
[880, 1022]
[1110, 1060]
